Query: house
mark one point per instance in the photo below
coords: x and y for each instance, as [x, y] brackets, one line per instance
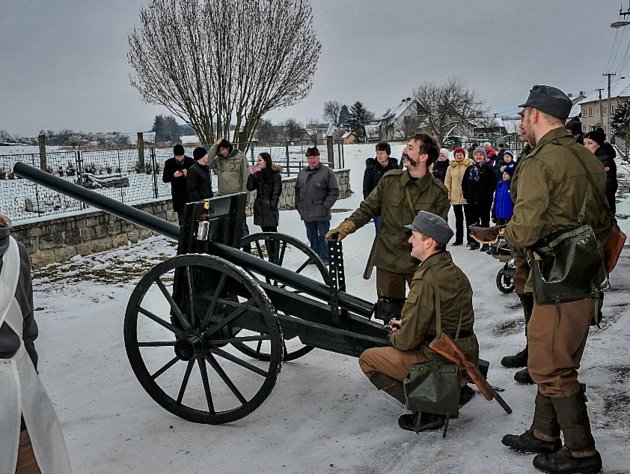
[594, 111]
[401, 121]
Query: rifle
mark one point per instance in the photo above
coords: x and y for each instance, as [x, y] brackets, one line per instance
[369, 266]
[447, 348]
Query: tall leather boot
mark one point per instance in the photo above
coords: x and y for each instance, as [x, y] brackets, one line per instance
[389, 385]
[579, 453]
[520, 358]
[545, 424]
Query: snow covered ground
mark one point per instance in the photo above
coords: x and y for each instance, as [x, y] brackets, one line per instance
[323, 415]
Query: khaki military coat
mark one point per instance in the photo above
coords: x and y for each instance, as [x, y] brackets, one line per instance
[437, 278]
[397, 199]
[548, 189]
[232, 170]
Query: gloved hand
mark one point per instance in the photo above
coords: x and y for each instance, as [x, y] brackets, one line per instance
[486, 235]
[341, 231]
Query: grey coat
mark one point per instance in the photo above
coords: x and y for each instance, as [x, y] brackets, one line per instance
[316, 190]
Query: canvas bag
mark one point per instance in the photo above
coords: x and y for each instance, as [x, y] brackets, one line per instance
[433, 386]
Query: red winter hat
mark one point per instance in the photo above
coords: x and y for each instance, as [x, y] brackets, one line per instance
[459, 149]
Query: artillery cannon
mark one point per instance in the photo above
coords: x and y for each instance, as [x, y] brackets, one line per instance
[206, 331]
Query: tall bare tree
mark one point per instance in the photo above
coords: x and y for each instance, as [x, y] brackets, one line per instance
[331, 111]
[445, 108]
[224, 61]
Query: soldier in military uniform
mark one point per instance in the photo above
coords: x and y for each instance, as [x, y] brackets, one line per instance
[549, 194]
[397, 198]
[436, 277]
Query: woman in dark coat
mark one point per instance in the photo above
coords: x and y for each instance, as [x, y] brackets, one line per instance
[596, 142]
[478, 187]
[265, 179]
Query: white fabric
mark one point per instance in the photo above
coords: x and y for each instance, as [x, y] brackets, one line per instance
[21, 392]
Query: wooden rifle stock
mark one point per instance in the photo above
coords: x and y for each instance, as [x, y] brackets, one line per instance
[448, 349]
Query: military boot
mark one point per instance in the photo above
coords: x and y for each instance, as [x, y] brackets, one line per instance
[545, 424]
[421, 421]
[522, 376]
[389, 385]
[515, 361]
[562, 461]
[574, 423]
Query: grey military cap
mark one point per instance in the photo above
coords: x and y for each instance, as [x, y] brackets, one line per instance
[432, 226]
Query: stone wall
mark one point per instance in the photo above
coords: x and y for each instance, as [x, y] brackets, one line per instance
[58, 239]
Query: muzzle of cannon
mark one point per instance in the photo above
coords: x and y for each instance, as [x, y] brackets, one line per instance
[206, 331]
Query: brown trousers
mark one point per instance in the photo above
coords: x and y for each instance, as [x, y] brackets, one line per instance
[26, 463]
[392, 284]
[556, 337]
[389, 361]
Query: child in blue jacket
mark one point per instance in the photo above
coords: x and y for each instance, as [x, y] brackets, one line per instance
[502, 207]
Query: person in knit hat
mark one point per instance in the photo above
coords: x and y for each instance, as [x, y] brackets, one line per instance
[175, 172]
[478, 187]
[503, 206]
[199, 180]
[439, 167]
[453, 182]
[595, 141]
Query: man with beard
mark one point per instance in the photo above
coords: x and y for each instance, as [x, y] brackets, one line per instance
[397, 198]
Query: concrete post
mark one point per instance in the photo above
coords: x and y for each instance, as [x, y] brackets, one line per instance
[42, 151]
[140, 146]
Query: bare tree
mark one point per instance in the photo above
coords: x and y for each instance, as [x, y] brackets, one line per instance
[445, 108]
[250, 58]
[331, 111]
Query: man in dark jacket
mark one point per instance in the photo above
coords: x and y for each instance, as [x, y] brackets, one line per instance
[199, 179]
[375, 168]
[316, 190]
[595, 141]
[175, 171]
[547, 199]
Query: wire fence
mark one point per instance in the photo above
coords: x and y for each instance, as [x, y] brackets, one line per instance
[121, 174]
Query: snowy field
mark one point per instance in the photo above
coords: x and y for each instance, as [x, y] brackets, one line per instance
[323, 415]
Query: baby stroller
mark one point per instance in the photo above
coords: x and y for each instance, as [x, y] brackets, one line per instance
[505, 277]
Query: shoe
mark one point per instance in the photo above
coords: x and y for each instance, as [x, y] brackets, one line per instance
[562, 461]
[522, 376]
[473, 246]
[484, 248]
[528, 443]
[456, 243]
[428, 421]
[466, 393]
[515, 361]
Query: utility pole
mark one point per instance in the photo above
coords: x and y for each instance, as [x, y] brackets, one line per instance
[601, 112]
[609, 74]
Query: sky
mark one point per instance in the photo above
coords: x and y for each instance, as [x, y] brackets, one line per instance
[64, 63]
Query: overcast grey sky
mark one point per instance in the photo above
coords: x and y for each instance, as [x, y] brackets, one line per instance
[64, 63]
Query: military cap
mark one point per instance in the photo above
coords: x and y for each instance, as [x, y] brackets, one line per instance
[432, 226]
[549, 100]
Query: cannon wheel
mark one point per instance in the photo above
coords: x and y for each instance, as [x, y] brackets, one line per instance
[294, 255]
[178, 338]
[505, 282]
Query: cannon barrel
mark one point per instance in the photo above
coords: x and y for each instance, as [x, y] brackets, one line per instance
[167, 229]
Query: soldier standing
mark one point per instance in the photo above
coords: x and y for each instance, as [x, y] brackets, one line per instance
[397, 198]
[549, 195]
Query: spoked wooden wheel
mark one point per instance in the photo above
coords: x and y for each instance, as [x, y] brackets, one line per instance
[181, 321]
[292, 254]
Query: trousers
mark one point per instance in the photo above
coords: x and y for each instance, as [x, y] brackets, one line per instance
[556, 336]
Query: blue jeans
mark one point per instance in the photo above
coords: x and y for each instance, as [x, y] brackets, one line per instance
[315, 233]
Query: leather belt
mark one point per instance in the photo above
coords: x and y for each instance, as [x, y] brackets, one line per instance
[468, 333]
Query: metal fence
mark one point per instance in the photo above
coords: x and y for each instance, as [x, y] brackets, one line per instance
[116, 173]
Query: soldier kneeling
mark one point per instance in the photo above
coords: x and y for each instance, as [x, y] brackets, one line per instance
[437, 280]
